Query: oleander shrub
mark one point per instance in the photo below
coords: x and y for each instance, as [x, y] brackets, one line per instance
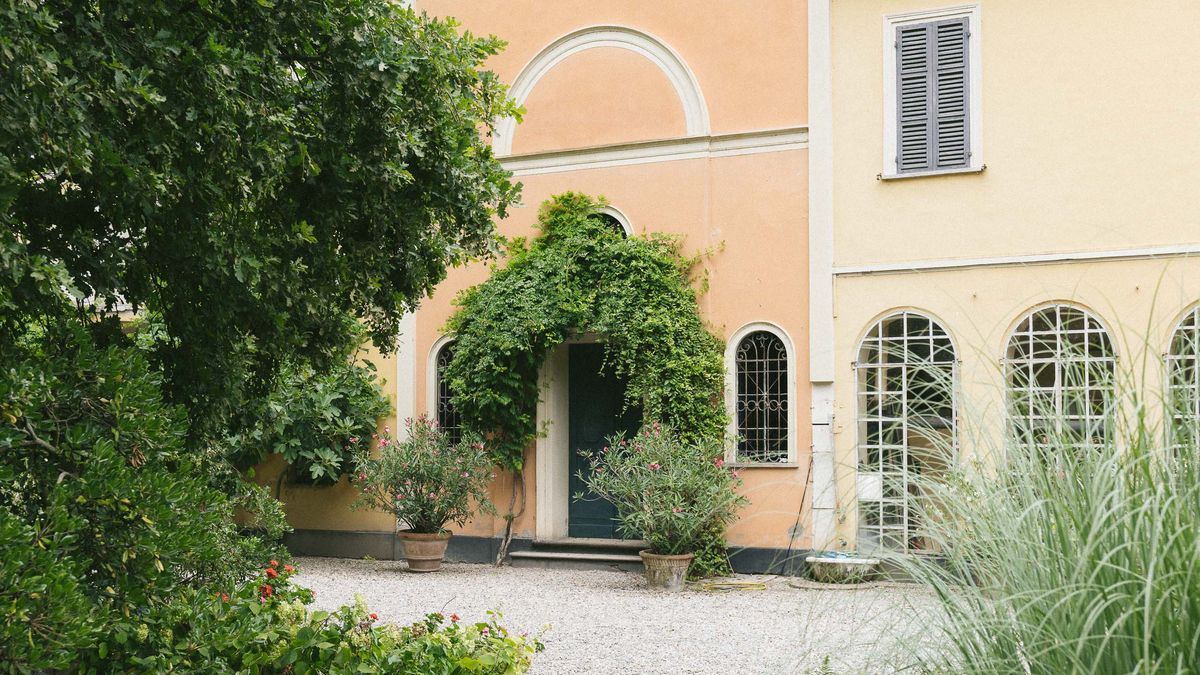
[425, 480]
[674, 494]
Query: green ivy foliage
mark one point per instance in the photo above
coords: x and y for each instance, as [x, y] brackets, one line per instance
[581, 277]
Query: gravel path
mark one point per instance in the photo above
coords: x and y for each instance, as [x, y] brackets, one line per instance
[608, 623]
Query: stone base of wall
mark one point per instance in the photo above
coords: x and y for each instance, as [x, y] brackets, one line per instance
[462, 548]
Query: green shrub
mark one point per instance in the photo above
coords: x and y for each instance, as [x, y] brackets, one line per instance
[1069, 558]
[673, 494]
[424, 480]
[265, 625]
[310, 418]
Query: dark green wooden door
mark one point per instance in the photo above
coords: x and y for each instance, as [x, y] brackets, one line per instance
[596, 412]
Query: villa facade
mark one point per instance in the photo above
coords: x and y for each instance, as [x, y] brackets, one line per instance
[872, 181]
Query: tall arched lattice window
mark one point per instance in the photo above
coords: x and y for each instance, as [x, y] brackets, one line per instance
[761, 401]
[1183, 381]
[447, 415]
[1060, 366]
[906, 425]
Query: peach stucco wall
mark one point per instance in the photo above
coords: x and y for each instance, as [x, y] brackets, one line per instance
[748, 57]
[747, 211]
[626, 98]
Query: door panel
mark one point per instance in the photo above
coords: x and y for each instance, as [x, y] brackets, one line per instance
[596, 412]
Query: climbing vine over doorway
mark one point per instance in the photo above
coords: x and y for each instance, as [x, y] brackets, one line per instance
[581, 277]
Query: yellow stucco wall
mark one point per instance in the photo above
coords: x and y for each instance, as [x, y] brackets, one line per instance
[1087, 116]
[1088, 123]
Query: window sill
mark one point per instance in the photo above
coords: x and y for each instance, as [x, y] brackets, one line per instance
[763, 465]
[926, 174]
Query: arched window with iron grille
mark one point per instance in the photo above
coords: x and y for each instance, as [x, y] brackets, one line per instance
[448, 419]
[762, 402]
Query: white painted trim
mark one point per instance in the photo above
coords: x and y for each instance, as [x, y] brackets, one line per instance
[1181, 250]
[431, 375]
[622, 219]
[731, 390]
[551, 462]
[406, 371]
[973, 14]
[821, 368]
[695, 111]
[663, 150]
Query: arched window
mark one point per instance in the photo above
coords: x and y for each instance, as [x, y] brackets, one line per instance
[447, 415]
[1183, 381]
[762, 404]
[1060, 367]
[906, 425]
[615, 220]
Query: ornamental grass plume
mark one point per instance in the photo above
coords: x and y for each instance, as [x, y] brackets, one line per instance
[1069, 547]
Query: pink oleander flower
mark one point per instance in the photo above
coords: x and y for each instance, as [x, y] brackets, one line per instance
[654, 466]
[676, 510]
[720, 462]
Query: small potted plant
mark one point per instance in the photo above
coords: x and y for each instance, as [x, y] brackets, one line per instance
[426, 482]
[669, 493]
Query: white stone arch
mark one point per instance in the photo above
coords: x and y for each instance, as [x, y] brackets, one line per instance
[620, 37]
[731, 349]
[619, 216]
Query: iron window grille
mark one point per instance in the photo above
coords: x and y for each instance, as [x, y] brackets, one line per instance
[762, 401]
[1060, 369]
[907, 426]
[1183, 382]
[448, 419]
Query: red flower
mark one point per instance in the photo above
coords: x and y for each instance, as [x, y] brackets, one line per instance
[265, 590]
[274, 563]
[271, 574]
[454, 618]
[224, 597]
[289, 569]
[374, 616]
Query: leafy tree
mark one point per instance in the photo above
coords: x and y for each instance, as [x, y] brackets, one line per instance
[255, 171]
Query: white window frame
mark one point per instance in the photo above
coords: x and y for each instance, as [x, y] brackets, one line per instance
[868, 484]
[619, 216]
[432, 383]
[731, 347]
[975, 54]
[1186, 322]
[1056, 391]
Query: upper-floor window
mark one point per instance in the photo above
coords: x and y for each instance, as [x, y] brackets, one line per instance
[762, 412]
[932, 112]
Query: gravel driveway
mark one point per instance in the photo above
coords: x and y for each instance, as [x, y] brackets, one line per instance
[609, 623]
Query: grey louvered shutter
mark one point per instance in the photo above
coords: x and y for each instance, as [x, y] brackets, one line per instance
[932, 88]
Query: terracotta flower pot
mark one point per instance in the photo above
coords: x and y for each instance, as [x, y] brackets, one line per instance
[666, 571]
[424, 552]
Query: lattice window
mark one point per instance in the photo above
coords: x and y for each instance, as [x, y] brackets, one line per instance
[447, 415]
[762, 401]
[1183, 382]
[906, 425]
[1060, 366]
